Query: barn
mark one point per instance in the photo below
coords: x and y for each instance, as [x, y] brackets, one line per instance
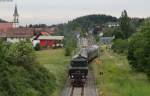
[50, 41]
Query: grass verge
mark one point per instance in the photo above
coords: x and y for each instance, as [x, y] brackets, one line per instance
[56, 63]
[118, 79]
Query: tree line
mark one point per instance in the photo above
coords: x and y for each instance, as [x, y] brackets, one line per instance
[81, 26]
[133, 39]
[139, 49]
[127, 27]
[3, 21]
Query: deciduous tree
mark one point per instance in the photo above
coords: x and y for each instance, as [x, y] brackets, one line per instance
[139, 50]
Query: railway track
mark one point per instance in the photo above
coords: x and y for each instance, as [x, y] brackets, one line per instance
[90, 86]
[77, 91]
[73, 91]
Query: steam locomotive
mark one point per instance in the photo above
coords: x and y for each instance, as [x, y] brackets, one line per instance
[78, 69]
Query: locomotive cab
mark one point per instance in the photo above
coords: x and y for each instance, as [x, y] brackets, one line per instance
[78, 70]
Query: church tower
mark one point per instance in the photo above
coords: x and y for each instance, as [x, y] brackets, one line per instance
[16, 17]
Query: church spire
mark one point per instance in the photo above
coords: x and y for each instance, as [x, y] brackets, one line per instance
[16, 15]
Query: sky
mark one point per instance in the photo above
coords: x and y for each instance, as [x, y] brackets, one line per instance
[61, 11]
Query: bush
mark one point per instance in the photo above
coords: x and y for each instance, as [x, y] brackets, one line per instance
[139, 50]
[20, 74]
[21, 53]
[37, 47]
[70, 45]
[68, 51]
[120, 46]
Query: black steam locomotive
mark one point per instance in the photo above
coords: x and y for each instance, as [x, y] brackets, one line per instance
[78, 69]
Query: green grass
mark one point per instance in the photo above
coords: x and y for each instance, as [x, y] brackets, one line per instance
[118, 79]
[55, 61]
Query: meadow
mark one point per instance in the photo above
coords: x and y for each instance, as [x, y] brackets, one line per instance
[55, 61]
[114, 77]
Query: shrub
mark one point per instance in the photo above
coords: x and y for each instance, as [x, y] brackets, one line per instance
[68, 51]
[37, 47]
[70, 45]
[139, 50]
[20, 73]
[120, 46]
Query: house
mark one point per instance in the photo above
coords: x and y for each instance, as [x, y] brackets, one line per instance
[106, 40]
[16, 34]
[50, 31]
[45, 39]
[112, 24]
[49, 41]
[6, 26]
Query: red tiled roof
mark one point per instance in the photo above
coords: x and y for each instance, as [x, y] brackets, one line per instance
[45, 34]
[25, 32]
[48, 30]
[18, 33]
[6, 26]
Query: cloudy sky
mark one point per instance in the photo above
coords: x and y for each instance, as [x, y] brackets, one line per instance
[60, 11]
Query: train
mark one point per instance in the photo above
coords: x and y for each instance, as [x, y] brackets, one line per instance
[78, 69]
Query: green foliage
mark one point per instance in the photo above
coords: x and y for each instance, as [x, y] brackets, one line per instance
[139, 50]
[89, 22]
[115, 31]
[126, 26]
[70, 45]
[20, 75]
[122, 33]
[126, 29]
[37, 47]
[3, 53]
[81, 26]
[21, 54]
[120, 46]
[97, 39]
[57, 64]
[84, 24]
[137, 22]
[68, 50]
[117, 78]
[108, 32]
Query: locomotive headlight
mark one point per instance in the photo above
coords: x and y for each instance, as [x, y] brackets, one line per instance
[72, 76]
[83, 76]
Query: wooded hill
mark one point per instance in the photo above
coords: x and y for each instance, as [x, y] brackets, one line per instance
[84, 23]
